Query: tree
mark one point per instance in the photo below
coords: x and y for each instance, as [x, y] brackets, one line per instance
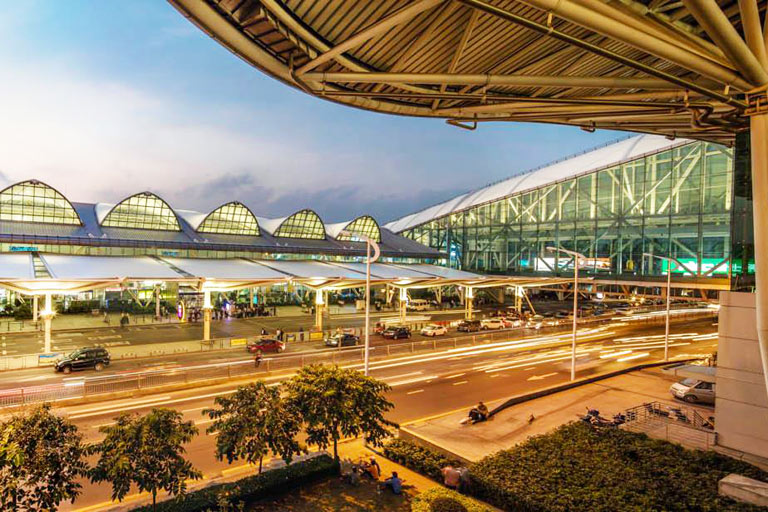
[41, 458]
[252, 422]
[336, 402]
[148, 451]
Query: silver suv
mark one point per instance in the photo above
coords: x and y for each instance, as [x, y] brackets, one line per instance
[694, 391]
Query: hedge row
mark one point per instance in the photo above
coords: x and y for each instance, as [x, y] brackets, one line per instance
[251, 488]
[422, 460]
[577, 467]
[441, 499]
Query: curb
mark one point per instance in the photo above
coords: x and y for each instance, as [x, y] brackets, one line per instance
[581, 382]
[515, 400]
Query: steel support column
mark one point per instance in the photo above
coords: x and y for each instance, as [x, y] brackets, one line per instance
[47, 315]
[35, 308]
[403, 304]
[469, 300]
[207, 309]
[759, 156]
[319, 305]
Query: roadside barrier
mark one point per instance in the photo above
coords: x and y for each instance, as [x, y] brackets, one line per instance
[81, 387]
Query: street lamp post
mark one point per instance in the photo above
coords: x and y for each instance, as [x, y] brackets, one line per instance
[368, 260]
[576, 258]
[670, 263]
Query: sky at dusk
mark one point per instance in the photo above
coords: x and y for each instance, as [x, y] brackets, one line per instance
[105, 99]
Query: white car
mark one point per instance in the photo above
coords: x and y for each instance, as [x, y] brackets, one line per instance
[434, 330]
[492, 323]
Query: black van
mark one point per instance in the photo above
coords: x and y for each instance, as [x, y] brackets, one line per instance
[82, 359]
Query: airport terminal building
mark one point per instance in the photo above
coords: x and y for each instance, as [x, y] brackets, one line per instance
[643, 194]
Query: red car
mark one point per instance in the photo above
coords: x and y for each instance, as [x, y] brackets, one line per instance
[265, 345]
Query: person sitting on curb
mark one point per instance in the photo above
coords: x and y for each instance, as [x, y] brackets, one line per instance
[394, 483]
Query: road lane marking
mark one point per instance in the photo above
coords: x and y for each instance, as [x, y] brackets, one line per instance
[455, 376]
[414, 392]
[460, 382]
[195, 409]
[634, 356]
[540, 377]
[115, 406]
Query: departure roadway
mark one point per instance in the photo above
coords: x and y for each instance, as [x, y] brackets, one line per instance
[429, 384]
[154, 361]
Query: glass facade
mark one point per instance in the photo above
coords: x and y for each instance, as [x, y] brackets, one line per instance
[674, 203]
[231, 219]
[142, 211]
[302, 224]
[33, 201]
[365, 225]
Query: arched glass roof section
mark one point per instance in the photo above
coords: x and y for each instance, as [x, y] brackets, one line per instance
[142, 211]
[34, 201]
[302, 224]
[230, 219]
[363, 225]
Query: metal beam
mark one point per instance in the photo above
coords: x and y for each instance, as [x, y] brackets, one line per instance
[753, 32]
[589, 82]
[575, 41]
[459, 51]
[724, 34]
[385, 24]
[639, 39]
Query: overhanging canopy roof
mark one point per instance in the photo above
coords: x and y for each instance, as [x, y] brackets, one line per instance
[658, 66]
[70, 274]
[600, 158]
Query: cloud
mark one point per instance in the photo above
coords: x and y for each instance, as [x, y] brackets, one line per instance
[99, 140]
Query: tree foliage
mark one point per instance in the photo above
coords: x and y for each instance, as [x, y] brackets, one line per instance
[336, 402]
[41, 458]
[148, 451]
[253, 422]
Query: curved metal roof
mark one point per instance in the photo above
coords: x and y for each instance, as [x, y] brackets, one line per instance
[590, 161]
[657, 66]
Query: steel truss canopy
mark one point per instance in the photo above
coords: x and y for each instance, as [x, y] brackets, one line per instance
[685, 68]
[37, 273]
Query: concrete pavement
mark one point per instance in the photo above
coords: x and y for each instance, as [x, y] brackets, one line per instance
[513, 425]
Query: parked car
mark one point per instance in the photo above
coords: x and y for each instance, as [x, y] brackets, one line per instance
[535, 322]
[509, 322]
[563, 314]
[346, 340]
[434, 330]
[694, 391]
[491, 324]
[82, 359]
[395, 333]
[468, 326]
[265, 345]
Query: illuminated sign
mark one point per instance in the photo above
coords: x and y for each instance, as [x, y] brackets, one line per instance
[23, 248]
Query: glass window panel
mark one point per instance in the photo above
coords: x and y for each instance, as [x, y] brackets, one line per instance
[142, 211]
[304, 224]
[365, 225]
[231, 219]
[33, 201]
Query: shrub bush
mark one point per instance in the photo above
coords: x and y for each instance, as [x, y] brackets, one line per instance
[251, 488]
[577, 467]
[440, 499]
[422, 460]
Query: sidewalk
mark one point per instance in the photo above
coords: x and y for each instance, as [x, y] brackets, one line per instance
[511, 426]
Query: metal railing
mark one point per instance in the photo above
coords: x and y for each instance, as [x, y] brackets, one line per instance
[660, 412]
